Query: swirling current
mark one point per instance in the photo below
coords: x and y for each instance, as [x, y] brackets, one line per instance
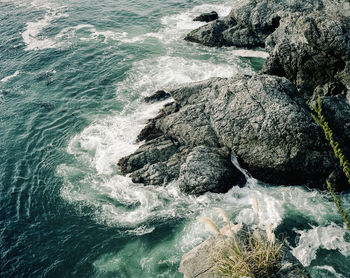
[72, 78]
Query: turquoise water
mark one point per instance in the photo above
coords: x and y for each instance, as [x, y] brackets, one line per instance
[72, 78]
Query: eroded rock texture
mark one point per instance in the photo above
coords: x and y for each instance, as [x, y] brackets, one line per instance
[313, 52]
[250, 22]
[260, 119]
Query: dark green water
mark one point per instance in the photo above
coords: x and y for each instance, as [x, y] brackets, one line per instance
[72, 78]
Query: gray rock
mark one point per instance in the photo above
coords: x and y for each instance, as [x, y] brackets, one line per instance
[260, 119]
[312, 51]
[199, 262]
[207, 17]
[250, 22]
[269, 128]
[207, 169]
[157, 96]
[210, 34]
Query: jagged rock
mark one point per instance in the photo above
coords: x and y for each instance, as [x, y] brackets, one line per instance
[210, 34]
[250, 22]
[156, 162]
[207, 17]
[200, 261]
[260, 119]
[312, 51]
[157, 96]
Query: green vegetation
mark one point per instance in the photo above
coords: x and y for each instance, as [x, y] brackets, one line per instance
[321, 121]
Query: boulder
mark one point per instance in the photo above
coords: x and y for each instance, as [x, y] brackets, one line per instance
[215, 175]
[207, 17]
[157, 96]
[260, 119]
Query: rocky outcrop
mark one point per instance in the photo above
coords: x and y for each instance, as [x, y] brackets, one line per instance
[250, 22]
[263, 120]
[313, 52]
[200, 261]
[207, 17]
[165, 157]
[260, 119]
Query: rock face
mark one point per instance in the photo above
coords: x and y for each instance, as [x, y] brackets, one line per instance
[199, 262]
[250, 22]
[260, 119]
[312, 51]
[207, 17]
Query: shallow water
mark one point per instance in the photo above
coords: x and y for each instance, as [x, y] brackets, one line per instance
[72, 79]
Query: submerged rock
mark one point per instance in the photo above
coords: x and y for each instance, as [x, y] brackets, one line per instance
[207, 17]
[260, 119]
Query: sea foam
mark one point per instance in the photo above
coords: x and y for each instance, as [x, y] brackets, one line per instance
[330, 237]
[7, 78]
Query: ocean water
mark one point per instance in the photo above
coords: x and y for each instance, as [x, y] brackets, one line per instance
[72, 78]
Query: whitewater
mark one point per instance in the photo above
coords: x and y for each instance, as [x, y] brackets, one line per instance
[73, 77]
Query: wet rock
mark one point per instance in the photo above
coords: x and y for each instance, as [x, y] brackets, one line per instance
[208, 169]
[207, 17]
[157, 162]
[210, 34]
[157, 96]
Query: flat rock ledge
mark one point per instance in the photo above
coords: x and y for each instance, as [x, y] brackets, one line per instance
[199, 262]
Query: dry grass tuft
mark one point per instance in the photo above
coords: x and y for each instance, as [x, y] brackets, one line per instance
[257, 257]
[209, 224]
[254, 254]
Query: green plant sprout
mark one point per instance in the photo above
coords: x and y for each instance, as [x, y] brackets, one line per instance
[321, 121]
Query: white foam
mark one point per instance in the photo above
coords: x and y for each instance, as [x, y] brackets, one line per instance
[250, 53]
[329, 237]
[152, 74]
[104, 142]
[141, 230]
[176, 26]
[97, 182]
[32, 36]
[329, 270]
[89, 33]
[7, 78]
[35, 38]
